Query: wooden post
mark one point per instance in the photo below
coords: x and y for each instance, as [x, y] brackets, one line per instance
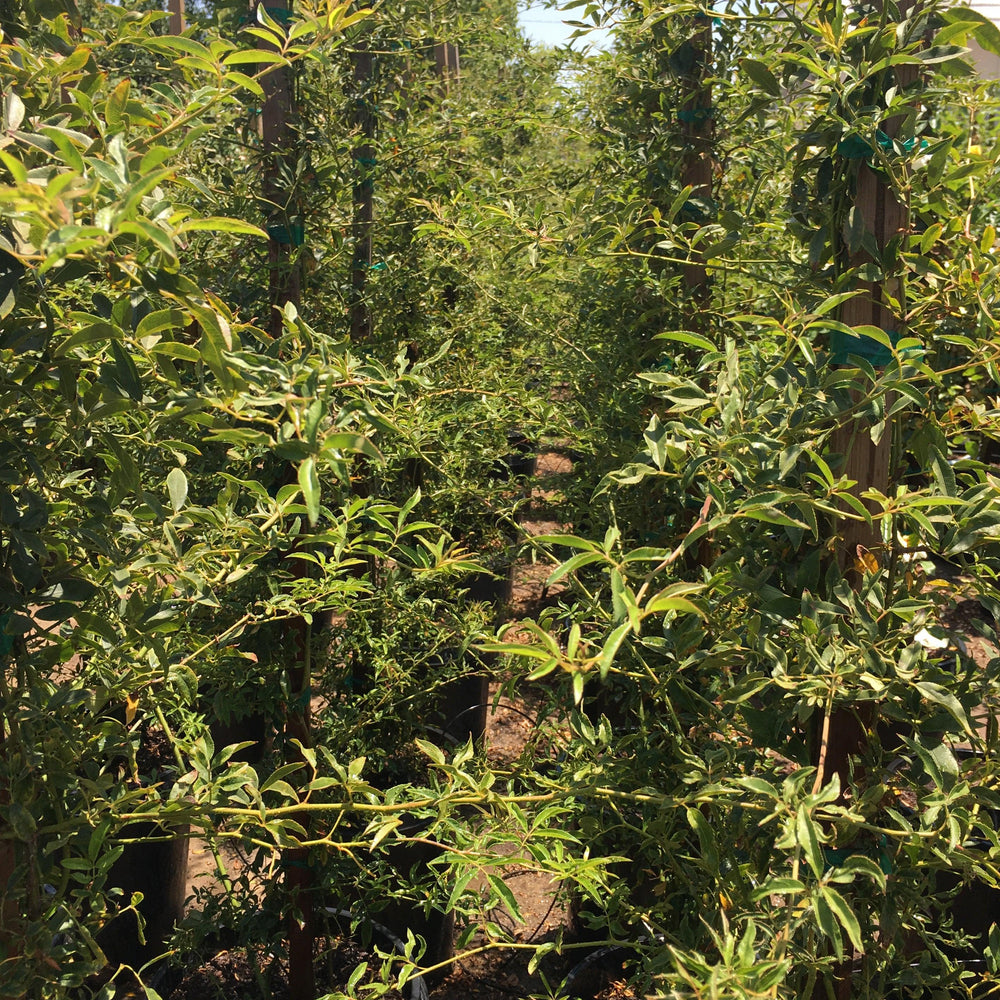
[364, 122]
[176, 9]
[446, 64]
[698, 129]
[865, 461]
[285, 233]
[284, 224]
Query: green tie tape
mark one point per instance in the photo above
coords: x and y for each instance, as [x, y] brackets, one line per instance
[696, 116]
[293, 234]
[835, 857]
[854, 147]
[844, 345]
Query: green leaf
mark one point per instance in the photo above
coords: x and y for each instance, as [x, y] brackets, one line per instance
[309, 483]
[171, 349]
[943, 697]
[126, 374]
[672, 599]
[831, 302]
[706, 839]
[844, 914]
[808, 838]
[160, 320]
[435, 753]
[177, 487]
[611, 646]
[13, 111]
[944, 474]
[504, 892]
[221, 224]
[685, 337]
[147, 231]
[854, 229]
[762, 76]
[356, 443]
[117, 102]
[572, 564]
[828, 924]
[778, 887]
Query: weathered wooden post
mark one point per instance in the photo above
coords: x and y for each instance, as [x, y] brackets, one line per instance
[365, 162]
[285, 227]
[697, 126]
[286, 232]
[875, 213]
[176, 8]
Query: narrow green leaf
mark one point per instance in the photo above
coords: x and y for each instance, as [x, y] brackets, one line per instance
[221, 224]
[828, 924]
[309, 483]
[831, 302]
[171, 349]
[706, 839]
[779, 887]
[435, 753]
[357, 443]
[808, 839]
[845, 915]
[943, 697]
[506, 894]
[611, 647]
[685, 337]
[762, 76]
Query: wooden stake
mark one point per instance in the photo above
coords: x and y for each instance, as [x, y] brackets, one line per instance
[698, 129]
[277, 142]
[284, 221]
[176, 9]
[364, 122]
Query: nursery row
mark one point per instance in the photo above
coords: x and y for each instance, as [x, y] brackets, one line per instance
[291, 298]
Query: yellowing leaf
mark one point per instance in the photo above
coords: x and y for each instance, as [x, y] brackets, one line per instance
[131, 707]
[865, 562]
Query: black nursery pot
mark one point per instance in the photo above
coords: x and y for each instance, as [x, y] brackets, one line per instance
[596, 972]
[436, 927]
[976, 906]
[495, 586]
[158, 869]
[400, 917]
[461, 707]
[253, 729]
[519, 463]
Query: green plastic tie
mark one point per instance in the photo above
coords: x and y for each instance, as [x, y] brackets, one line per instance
[837, 856]
[291, 235]
[367, 161]
[844, 345]
[854, 147]
[282, 15]
[696, 116]
[377, 266]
